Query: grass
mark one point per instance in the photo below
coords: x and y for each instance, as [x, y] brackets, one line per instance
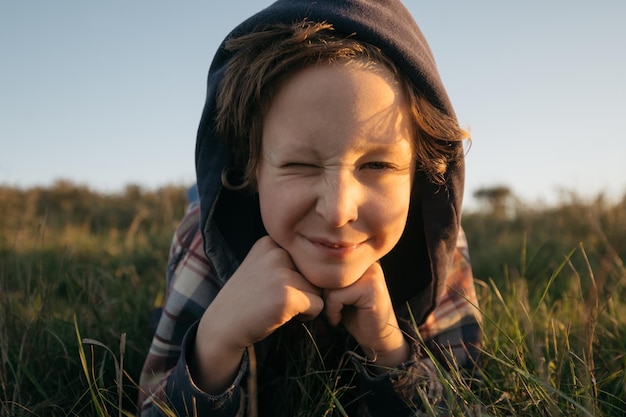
[75, 306]
[52, 286]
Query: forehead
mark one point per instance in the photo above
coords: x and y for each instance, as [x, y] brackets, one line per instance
[327, 104]
[329, 65]
[360, 87]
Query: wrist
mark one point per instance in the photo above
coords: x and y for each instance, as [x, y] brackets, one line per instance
[213, 362]
[382, 360]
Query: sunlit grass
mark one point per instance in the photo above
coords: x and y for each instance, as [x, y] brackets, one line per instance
[75, 309]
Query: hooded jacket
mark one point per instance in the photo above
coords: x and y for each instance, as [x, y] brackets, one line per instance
[214, 238]
[230, 221]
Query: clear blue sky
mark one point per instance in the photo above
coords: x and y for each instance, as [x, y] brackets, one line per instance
[110, 93]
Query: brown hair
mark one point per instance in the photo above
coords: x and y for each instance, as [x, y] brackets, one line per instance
[266, 57]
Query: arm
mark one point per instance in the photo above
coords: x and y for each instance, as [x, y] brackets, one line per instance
[451, 334]
[191, 287]
[263, 294]
[202, 373]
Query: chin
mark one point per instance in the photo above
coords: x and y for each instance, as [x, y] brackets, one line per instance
[332, 278]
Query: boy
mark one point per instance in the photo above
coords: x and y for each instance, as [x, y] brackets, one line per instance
[330, 175]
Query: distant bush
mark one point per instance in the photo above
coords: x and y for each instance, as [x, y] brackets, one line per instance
[66, 205]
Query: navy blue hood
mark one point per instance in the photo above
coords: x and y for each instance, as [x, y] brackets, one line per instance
[230, 221]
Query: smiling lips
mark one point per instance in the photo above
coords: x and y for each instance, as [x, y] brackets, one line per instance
[335, 249]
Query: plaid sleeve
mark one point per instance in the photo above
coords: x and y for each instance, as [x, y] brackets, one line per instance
[191, 286]
[452, 331]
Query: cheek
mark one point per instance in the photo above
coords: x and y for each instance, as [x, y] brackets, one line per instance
[282, 206]
[390, 218]
[392, 207]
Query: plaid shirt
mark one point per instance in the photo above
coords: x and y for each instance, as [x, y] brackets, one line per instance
[451, 332]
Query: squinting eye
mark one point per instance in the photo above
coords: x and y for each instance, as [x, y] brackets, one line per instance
[299, 165]
[300, 168]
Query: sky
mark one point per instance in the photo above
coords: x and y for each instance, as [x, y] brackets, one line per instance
[110, 93]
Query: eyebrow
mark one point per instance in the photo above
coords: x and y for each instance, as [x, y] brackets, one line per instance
[295, 150]
[376, 147]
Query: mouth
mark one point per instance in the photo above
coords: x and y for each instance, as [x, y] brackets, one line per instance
[335, 248]
[337, 245]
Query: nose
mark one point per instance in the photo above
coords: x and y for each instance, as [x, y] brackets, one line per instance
[338, 197]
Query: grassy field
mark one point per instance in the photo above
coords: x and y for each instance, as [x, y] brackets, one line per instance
[81, 272]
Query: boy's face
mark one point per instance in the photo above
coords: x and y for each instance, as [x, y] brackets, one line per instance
[336, 169]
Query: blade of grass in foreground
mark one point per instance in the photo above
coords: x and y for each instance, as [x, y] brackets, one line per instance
[100, 407]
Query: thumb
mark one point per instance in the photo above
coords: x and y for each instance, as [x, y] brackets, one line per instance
[312, 305]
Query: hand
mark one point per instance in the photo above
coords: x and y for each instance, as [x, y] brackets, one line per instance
[265, 292]
[366, 311]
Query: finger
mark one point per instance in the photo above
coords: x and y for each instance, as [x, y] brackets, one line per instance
[310, 305]
[334, 304]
